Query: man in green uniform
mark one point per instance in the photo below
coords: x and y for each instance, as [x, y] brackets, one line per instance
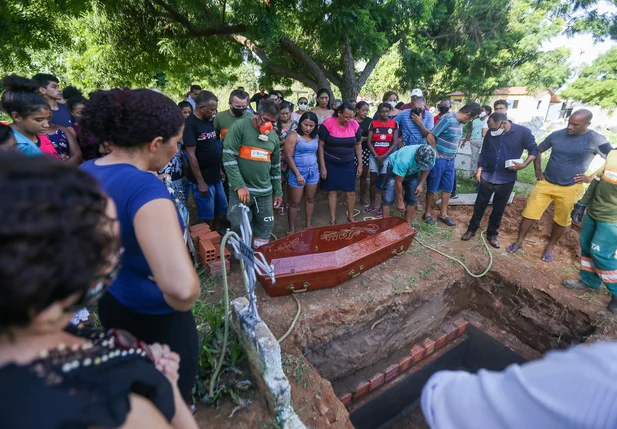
[251, 156]
[599, 233]
[238, 103]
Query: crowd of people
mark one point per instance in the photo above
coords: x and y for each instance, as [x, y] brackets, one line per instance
[114, 229]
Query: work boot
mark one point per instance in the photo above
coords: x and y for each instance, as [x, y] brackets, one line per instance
[612, 306]
[468, 235]
[579, 285]
[492, 240]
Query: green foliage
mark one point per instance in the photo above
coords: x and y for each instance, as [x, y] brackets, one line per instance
[597, 83]
[234, 377]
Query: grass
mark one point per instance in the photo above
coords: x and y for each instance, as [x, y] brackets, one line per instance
[295, 366]
[210, 319]
[428, 271]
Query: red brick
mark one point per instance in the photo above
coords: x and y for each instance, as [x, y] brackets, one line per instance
[361, 389]
[450, 331]
[377, 380]
[213, 237]
[218, 251]
[345, 398]
[199, 229]
[440, 339]
[428, 345]
[216, 267]
[391, 372]
[417, 354]
[405, 363]
[461, 326]
[207, 252]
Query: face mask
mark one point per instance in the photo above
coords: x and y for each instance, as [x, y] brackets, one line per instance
[497, 132]
[482, 115]
[417, 111]
[443, 109]
[392, 103]
[238, 112]
[302, 106]
[212, 118]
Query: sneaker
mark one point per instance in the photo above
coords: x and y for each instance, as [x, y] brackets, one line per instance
[579, 285]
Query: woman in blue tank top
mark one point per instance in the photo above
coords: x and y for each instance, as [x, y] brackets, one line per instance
[157, 284]
[301, 154]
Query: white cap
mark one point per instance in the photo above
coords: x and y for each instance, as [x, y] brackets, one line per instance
[417, 92]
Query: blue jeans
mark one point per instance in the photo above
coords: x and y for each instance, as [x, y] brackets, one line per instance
[213, 202]
[410, 183]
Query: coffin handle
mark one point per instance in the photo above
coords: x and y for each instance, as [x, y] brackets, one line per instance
[398, 252]
[353, 274]
[304, 289]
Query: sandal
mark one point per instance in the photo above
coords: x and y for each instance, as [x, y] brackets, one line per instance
[548, 257]
[332, 222]
[513, 249]
[368, 209]
[380, 212]
[281, 211]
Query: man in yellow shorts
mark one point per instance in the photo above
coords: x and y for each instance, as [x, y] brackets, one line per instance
[572, 150]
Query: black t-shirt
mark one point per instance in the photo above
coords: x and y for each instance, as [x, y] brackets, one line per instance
[258, 98]
[202, 136]
[80, 388]
[364, 126]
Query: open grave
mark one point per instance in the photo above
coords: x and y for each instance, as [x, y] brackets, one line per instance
[360, 353]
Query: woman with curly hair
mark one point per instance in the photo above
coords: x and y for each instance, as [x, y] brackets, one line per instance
[157, 285]
[59, 250]
[29, 111]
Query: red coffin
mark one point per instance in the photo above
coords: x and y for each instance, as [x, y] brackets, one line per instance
[330, 255]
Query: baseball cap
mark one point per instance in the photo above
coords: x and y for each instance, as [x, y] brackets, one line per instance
[425, 157]
[417, 92]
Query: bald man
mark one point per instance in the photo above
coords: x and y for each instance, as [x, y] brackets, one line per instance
[562, 182]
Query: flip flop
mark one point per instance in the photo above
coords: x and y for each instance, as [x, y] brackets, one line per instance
[333, 222]
[380, 212]
[548, 257]
[513, 249]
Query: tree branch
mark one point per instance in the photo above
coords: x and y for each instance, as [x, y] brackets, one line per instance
[301, 57]
[275, 68]
[195, 30]
[370, 66]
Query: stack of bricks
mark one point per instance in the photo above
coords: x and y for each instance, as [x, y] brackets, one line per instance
[208, 245]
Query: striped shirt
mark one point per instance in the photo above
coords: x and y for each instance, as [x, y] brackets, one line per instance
[411, 132]
[448, 132]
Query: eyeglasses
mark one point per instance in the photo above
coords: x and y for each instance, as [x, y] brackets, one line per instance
[98, 286]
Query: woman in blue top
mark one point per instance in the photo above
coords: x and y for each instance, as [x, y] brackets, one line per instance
[301, 153]
[157, 285]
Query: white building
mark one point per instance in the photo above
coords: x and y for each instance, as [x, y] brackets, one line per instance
[523, 104]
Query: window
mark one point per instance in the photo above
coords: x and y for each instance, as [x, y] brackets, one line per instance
[512, 104]
[539, 105]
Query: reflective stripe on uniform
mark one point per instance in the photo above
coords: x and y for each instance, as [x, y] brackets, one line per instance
[275, 177]
[230, 151]
[587, 264]
[231, 163]
[254, 154]
[268, 189]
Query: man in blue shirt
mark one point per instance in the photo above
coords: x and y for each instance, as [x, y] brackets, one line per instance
[504, 141]
[416, 123]
[444, 138]
[49, 88]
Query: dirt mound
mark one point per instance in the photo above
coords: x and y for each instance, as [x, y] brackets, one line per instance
[539, 235]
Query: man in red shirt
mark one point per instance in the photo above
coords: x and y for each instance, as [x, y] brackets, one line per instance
[444, 107]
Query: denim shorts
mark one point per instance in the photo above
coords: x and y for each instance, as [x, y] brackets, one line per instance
[441, 177]
[373, 167]
[310, 174]
[410, 183]
[213, 203]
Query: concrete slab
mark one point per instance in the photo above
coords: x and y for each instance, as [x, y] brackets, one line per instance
[470, 199]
